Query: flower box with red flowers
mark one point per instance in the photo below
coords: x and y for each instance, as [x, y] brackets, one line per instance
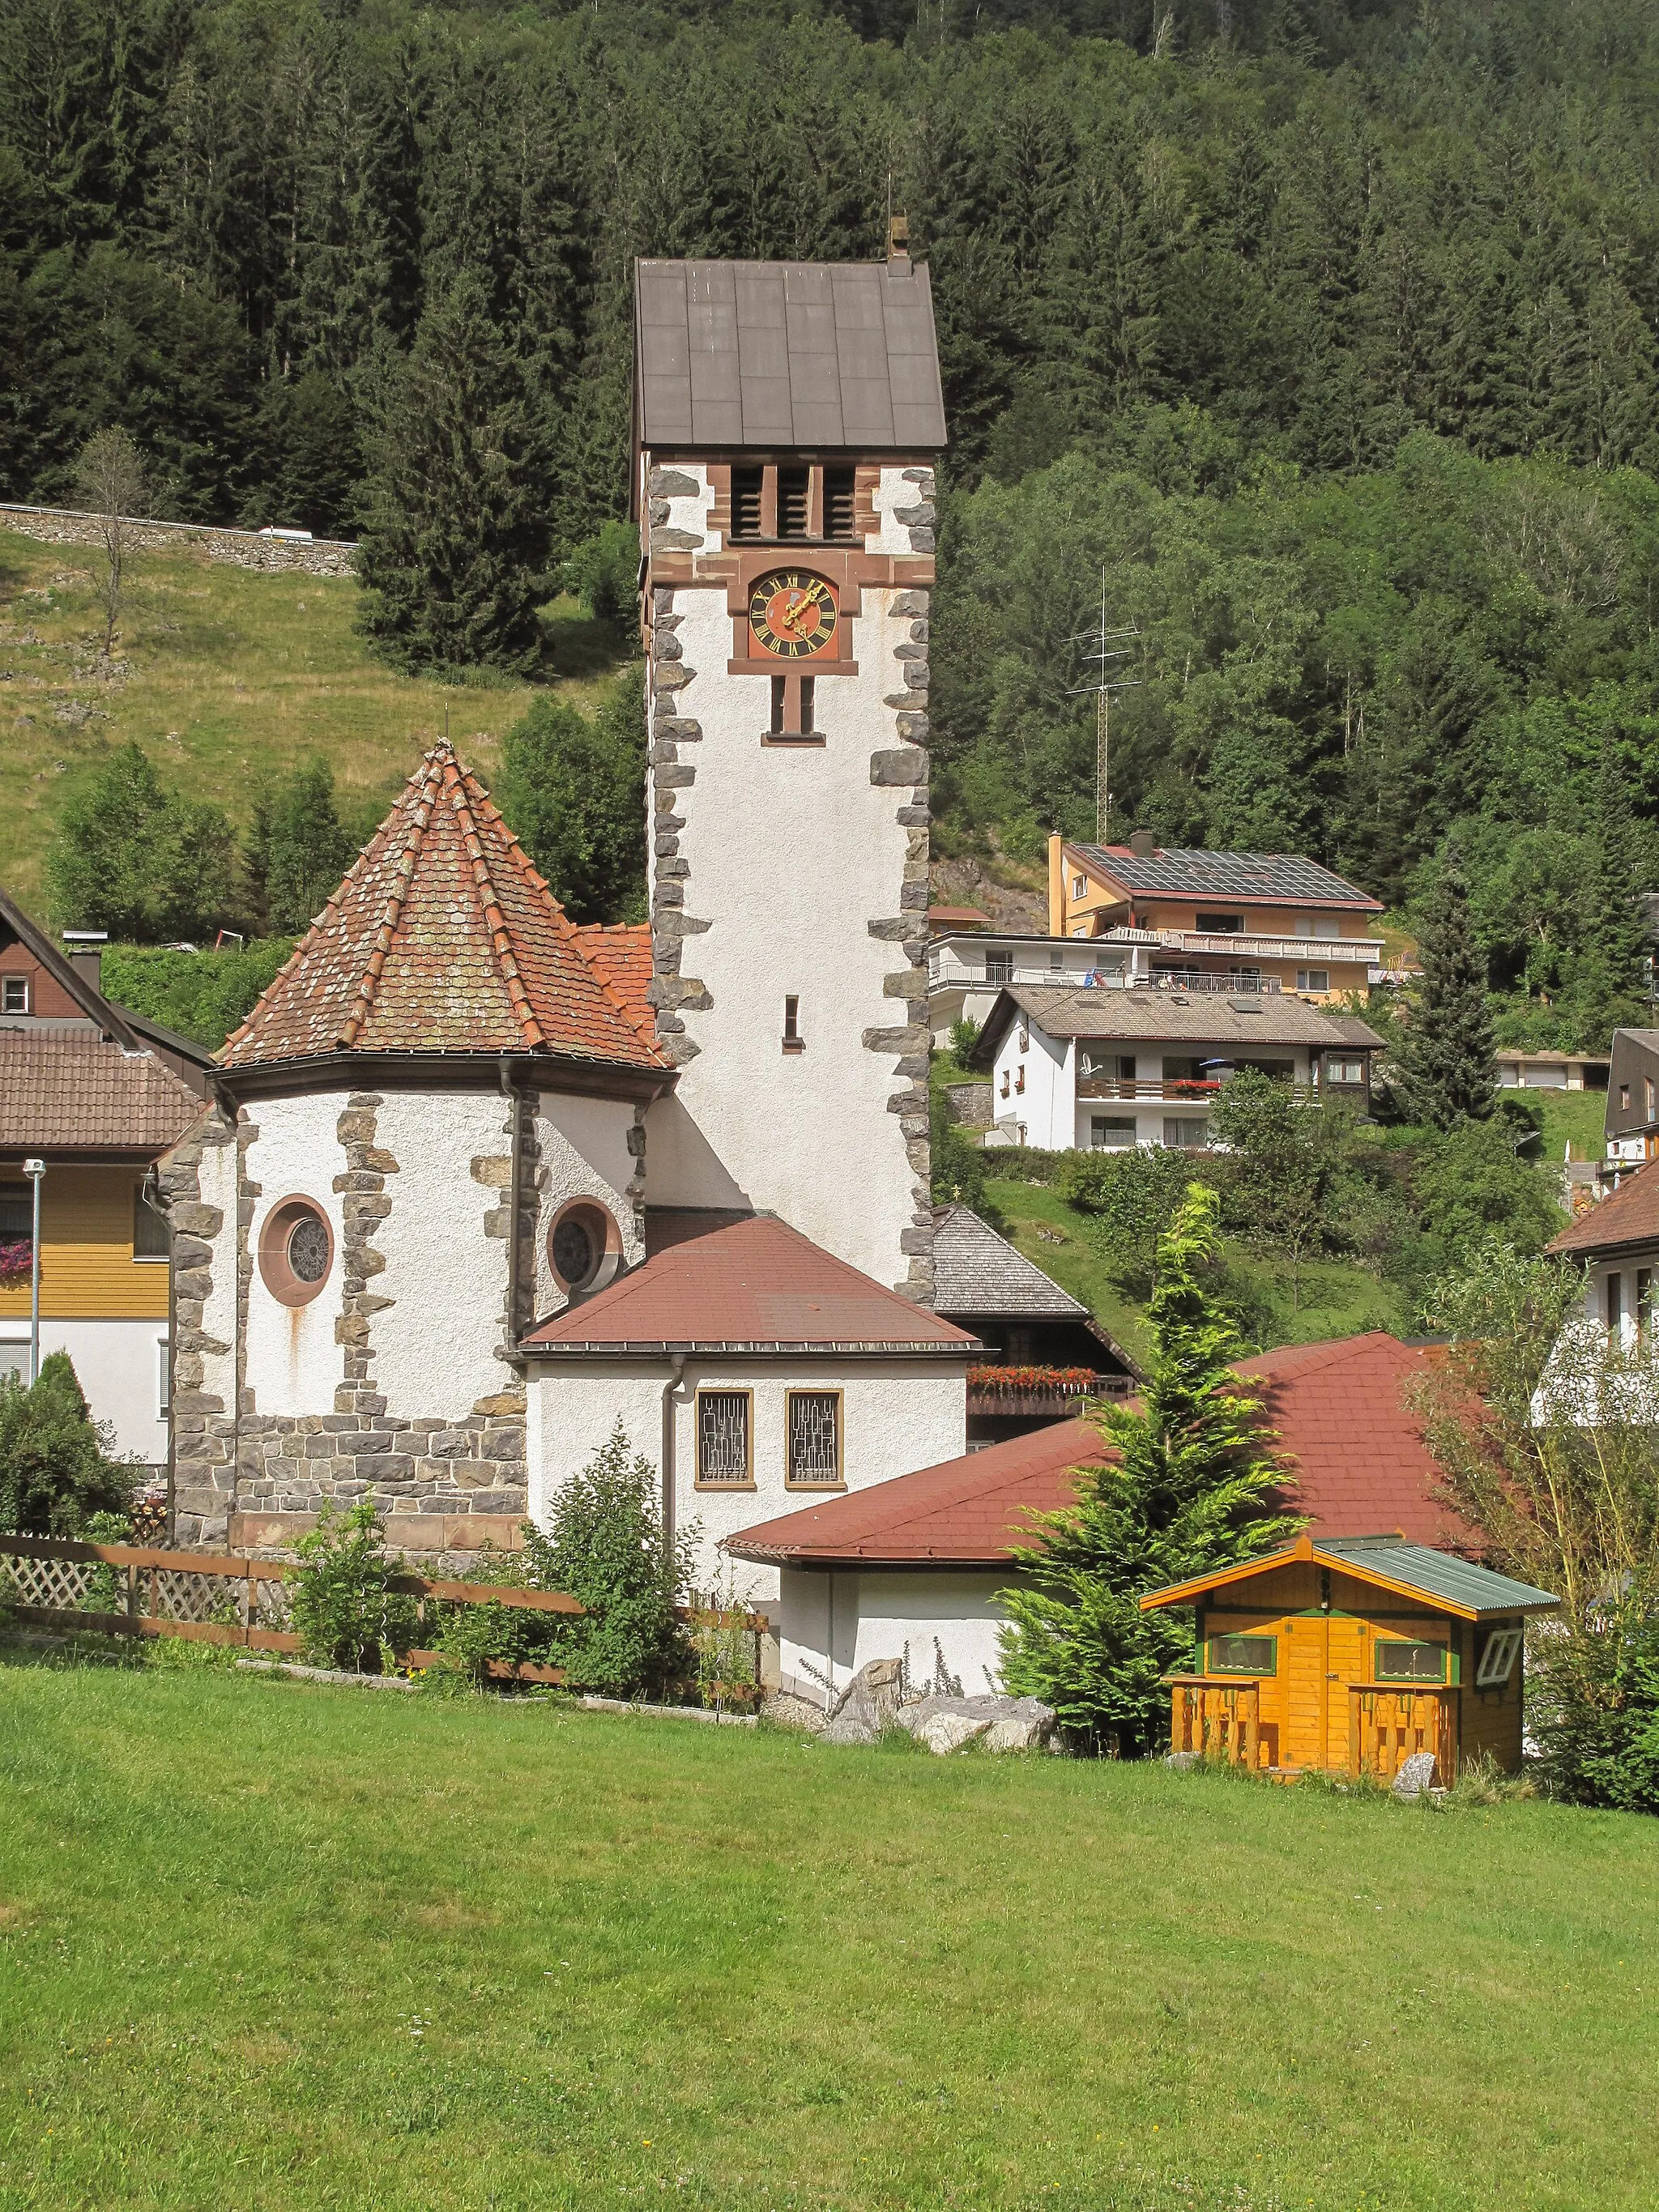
[1033, 1381]
[16, 1261]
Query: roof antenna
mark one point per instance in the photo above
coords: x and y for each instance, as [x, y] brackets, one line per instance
[1107, 682]
[446, 721]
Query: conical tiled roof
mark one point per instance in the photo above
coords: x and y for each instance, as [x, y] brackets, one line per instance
[443, 938]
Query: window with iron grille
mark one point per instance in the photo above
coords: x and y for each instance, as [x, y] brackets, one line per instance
[746, 502]
[815, 1436]
[723, 1437]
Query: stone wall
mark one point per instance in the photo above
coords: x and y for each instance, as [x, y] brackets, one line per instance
[242, 549]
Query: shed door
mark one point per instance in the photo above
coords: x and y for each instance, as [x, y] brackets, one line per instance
[1307, 1705]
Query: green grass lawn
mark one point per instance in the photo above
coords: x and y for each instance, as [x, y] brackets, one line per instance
[1338, 1297]
[266, 1946]
[1577, 1118]
[233, 675]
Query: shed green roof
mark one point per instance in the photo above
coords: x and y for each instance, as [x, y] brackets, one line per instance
[1438, 1574]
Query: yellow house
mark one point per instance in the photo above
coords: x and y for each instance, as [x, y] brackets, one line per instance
[95, 1094]
[1236, 921]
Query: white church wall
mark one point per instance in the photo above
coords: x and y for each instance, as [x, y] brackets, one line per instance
[434, 1346]
[293, 1357]
[897, 1415]
[583, 1145]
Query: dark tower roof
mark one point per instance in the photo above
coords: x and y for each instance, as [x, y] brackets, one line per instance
[799, 356]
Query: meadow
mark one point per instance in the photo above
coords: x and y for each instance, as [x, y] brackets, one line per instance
[266, 1944]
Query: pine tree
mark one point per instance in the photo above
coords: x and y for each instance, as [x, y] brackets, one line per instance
[1610, 981]
[302, 847]
[455, 550]
[1187, 1489]
[1444, 1062]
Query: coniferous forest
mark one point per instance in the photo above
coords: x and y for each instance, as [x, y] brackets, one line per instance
[1328, 328]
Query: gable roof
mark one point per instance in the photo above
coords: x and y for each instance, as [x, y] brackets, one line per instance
[828, 356]
[1256, 1018]
[1266, 879]
[187, 1060]
[743, 1282]
[1388, 1562]
[1355, 1450]
[977, 1271]
[69, 1090]
[443, 938]
[1626, 1218]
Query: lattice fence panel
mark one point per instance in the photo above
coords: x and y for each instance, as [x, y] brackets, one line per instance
[269, 1604]
[61, 1582]
[182, 1594]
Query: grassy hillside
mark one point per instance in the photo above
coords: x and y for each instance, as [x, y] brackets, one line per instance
[279, 1948]
[230, 677]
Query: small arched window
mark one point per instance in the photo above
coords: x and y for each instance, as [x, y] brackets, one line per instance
[584, 1246]
[296, 1251]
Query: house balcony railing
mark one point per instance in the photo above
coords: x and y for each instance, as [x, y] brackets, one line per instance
[996, 1389]
[1309, 950]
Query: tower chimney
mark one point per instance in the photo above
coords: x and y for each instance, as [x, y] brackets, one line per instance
[898, 237]
[1142, 844]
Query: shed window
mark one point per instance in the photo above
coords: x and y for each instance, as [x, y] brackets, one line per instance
[1498, 1660]
[1243, 1655]
[16, 994]
[815, 1437]
[723, 1438]
[1398, 1661]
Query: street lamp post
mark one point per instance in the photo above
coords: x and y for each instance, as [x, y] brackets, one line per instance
[34, 1169]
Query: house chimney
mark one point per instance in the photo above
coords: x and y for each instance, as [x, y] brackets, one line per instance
[1142, 844]
[85, 951]
[898, 237]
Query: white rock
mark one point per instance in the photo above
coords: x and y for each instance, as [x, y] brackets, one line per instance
[944, 1733]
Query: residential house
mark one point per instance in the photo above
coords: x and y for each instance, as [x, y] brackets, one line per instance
[912, 1569]
[1632, 1080]
[967, 968]
[1550, 1071]
[1227, 921]
[1617, 1242]
[98, 1094]
[1107, 1069]
[1043, 1353]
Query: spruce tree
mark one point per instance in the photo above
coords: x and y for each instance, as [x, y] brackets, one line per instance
[1187, 1489]
[1610, 978]
[454, 552]
[1445, 1070]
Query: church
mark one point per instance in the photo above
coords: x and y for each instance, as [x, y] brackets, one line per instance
[478, 1184]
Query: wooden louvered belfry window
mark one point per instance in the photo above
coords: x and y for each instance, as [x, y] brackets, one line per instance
[792, 503]
[724, 1434]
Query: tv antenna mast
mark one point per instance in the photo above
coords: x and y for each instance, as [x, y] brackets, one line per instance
[1104, 651]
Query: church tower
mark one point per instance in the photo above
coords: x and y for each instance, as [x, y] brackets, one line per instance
[788, 417]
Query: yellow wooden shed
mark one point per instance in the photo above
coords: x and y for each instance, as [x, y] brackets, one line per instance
[1351, 1654]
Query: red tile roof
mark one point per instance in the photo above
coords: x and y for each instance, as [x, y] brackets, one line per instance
[71, 1090]
[1625, 1217]
[714, 1282]
[1360, 1464]
[442, 939]
[619, 953]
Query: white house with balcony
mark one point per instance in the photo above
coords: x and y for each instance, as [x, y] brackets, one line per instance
[1110, 1068]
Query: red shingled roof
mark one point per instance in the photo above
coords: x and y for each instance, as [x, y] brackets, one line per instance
[1360, 1464]
[1625, 1217]
[724, 1281]
[442, 939]
[619, 953]
[72, 1091]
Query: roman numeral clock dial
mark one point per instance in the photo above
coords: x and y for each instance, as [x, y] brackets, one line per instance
[793, 615]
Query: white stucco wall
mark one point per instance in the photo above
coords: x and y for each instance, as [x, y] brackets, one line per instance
[435, 1345]
[792, 851]
[293, 1362]
[896, 1415]
[584, 1153]
[119, 1365]
[834, 1623]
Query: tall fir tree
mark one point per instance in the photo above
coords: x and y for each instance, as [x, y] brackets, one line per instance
[1610, 983]
[454, 553]
[1446, 1072]
[1188, 1488]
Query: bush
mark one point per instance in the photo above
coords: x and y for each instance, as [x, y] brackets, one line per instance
[964, 1036]
[1133, 1197]
[57, 1465]
[1593, 1709]
[1024, 1164]
[604, 572]
[342, 1601]
[203, 995]
[603, 1545]
[958, 1166]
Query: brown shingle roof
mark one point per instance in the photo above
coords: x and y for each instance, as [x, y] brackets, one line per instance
[1267, 1018]
[442, 937]
[71, 1090]
[719, 1282]
[1626, 1217]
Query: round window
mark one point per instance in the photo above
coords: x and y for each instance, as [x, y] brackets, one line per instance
[296, 1251]
[584, 1246]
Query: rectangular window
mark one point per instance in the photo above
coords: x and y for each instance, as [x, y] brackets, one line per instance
[792, 1039]
[1647, 1082]
[1222, 925]
[1624, 1098]
[815, 1438]
[1615, 1304]
[723, 1440]
[163, 1378]
[1056, 962]
[1313, 979]
[793, 502]
[16, 1212]
[1498, 1661]
[1079, 886]
[1108, 1134]
[149, 1230]
[1186, 1136]
[998, 967]
[1325, 925]
[808, 703]
[838, 505]
[16, 1000]
[1304, 925]
[1345, 1070]
[1402, 1662]
[1243, 1655]
[777, 706]
[746, 502]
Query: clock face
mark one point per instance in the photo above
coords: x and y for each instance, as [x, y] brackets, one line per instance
[792, 614]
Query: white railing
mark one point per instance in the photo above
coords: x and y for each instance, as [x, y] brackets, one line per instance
[1311, 950]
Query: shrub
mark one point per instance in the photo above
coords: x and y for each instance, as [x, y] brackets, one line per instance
[57, 1465]
[1593, 1710]
[1133, 1197]
[958, 1167]
[964, 1036]
[604, 572]
[603, 1545]
[1024, 1164]
[204, 995]
[342, 1603]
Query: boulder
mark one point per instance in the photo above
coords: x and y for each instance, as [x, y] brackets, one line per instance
[944, 1733]
[1002, 1724]
[868, 1704]
[1415, 1776]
